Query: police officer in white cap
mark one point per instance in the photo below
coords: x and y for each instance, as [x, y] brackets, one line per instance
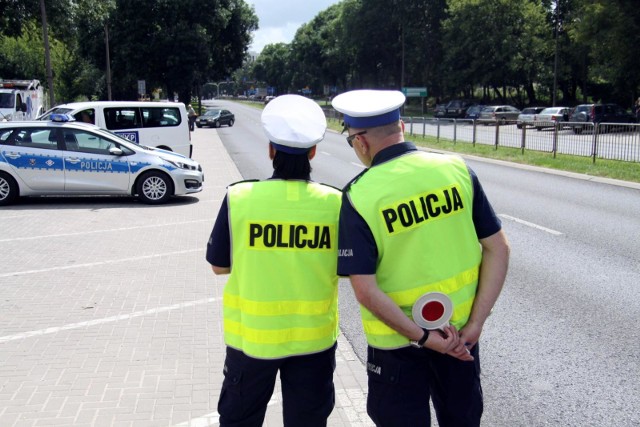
[412, 223]
[277, 239]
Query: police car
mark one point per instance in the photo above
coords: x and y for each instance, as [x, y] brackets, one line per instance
[65, 157]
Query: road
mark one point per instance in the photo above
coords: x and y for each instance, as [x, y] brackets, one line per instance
[559, 348]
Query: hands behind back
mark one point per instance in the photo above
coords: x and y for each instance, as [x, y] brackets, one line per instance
[447, 341]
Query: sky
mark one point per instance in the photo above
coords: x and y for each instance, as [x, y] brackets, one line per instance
[280, 19]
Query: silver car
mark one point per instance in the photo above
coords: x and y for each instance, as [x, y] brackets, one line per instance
[550, 117]
[527, 116]
[499, 114]
[63, 157]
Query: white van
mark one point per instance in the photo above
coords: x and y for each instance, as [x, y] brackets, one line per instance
[155, 124]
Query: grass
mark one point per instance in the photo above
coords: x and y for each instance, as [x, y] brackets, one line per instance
[614, 169]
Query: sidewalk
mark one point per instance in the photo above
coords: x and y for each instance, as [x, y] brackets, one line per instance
[110, 315]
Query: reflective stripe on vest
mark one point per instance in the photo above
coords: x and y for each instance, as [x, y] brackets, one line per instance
[281, 298]
[419, 209]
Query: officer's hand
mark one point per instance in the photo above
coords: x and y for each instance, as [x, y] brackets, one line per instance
[470, 334]
[443, 341]
[461, 351]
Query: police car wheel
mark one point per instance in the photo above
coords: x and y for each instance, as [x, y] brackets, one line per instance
[230, 123]
[8, 189]
[154, 188]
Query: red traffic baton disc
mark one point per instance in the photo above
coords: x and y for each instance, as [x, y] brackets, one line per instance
[432, 310]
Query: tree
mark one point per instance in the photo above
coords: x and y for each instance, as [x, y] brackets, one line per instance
[273, 67]
[609, 31]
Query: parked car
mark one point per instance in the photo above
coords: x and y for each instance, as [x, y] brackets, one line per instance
[527, 115]
[216, 118]
[473, 112]
[439, 111]
[64, 157]
[499, 114]
[549, 117]
[457, 108]
[599, 113]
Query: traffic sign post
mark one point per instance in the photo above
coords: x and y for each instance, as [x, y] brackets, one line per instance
[415, 92]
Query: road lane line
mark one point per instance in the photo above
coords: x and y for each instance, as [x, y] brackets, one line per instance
[94, 322]
[94, 264]
[530, 224]
[360, 165]
[49, 236]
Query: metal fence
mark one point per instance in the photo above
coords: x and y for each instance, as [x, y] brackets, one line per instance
[613, 141]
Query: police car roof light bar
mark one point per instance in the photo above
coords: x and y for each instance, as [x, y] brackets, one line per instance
[62, 118]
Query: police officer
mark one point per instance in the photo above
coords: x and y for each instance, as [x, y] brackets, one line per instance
[192, 116]
[412, 223]
[278, 240]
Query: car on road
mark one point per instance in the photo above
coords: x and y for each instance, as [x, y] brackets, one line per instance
[598, 113]
[65, 157]
[550, 117]
[527, 116]
[499, 114]
[216, 118]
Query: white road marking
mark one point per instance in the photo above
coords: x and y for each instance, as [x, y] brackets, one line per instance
[530, 224]
[49, 236]
[93, 264]
[360, 165]
[94, 322]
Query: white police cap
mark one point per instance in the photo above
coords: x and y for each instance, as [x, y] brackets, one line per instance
[367, 108]
[293, 123]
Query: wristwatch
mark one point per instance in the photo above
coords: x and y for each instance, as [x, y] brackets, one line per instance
[421, 341]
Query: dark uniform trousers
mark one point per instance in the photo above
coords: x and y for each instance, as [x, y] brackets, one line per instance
[308, 394]
[402, 381]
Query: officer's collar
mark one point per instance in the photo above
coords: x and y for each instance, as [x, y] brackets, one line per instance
[393, 151]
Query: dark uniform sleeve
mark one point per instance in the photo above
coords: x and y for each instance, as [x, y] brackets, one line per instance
[219, 245]
[485, 219]
[357, 249]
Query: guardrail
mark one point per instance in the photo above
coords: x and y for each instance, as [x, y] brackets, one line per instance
[612, 141]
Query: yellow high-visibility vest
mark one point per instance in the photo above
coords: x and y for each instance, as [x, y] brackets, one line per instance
[281, 298]
[419, 209]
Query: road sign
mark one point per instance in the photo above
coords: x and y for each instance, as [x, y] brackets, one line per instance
[410, 92]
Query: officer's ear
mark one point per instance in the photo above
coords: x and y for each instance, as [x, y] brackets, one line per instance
[272, 152]
[312, 152]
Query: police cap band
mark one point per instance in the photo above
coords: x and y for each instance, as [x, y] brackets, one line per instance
[368, 108]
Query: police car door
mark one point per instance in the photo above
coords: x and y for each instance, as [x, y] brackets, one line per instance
[90, 167]
[35, 157]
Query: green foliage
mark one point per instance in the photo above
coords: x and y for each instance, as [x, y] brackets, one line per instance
[496, 50]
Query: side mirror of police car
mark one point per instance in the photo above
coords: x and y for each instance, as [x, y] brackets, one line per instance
[115, 151]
